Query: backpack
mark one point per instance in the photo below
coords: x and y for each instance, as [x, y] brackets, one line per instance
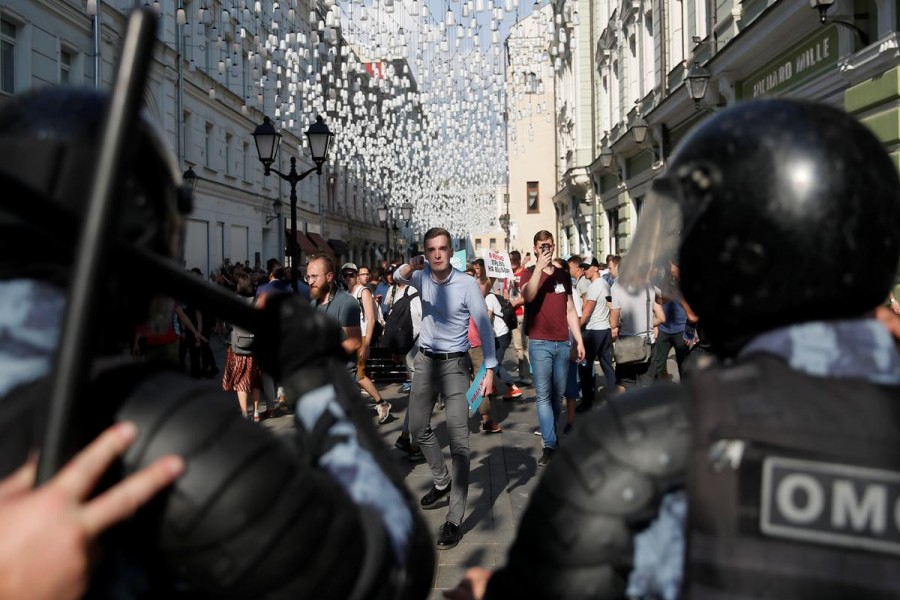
[398, 327]
[379, 318]
[507, 313]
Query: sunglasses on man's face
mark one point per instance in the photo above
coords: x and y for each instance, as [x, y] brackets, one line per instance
[348, 274]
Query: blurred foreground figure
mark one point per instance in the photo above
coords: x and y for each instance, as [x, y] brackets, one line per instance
[319, 513]
[776, 473]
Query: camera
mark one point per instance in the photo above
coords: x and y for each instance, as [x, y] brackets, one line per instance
[546, 247]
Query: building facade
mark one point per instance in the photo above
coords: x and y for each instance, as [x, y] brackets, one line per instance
[645, 54]
[217, 71]
[531, 133]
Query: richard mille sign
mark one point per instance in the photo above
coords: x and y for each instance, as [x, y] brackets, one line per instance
[831, 504]
[802, 62]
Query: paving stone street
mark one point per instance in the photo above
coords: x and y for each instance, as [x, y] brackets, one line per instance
[503, 474]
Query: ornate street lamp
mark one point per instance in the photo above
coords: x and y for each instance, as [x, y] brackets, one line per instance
[383, 216]
[697, 83]
[190, 178]
[406, 210]
[267, 142]
[639, 130]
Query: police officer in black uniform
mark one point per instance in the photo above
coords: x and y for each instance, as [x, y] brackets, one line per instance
[321, 513]
[775, 474]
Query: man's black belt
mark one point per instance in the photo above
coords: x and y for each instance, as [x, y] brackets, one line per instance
[441, 355]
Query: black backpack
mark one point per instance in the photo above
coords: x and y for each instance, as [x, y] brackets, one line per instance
[398, 325]
[507, 313]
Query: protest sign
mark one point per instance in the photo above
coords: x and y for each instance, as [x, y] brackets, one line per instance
[458, 261]
[497, 264]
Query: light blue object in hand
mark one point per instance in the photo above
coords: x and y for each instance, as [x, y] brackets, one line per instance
[473, 395]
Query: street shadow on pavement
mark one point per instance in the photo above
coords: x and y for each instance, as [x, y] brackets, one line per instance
[497, 484]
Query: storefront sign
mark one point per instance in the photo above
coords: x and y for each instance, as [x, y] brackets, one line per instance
[806, 60]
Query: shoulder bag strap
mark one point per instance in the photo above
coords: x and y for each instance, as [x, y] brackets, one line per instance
[649, 322]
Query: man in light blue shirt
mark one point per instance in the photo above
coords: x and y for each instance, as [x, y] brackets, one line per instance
[449, 299]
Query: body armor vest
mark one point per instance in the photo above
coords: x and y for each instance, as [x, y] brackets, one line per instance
[794, 485]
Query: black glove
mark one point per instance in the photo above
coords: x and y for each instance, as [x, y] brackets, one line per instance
[295, 336]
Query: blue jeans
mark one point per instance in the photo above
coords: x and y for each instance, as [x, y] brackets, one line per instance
[549, 371]
[501, 344]
[597, 344]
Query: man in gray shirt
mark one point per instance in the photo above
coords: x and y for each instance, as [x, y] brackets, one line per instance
[632, 313]
[449, 299]
[596, 335]
[335, 302]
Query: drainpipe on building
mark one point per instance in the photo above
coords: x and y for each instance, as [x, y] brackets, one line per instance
[663, 51]
[96, 44]
[179, 96]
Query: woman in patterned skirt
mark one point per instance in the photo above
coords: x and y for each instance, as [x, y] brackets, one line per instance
[242, 373]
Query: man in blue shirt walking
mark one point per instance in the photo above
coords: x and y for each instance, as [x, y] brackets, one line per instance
[442, 365]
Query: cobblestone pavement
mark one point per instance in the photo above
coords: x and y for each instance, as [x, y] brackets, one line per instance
[503, 475]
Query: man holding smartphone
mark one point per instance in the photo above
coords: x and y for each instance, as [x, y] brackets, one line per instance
[549, 317]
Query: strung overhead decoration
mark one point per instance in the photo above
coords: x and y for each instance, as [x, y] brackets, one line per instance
[415, 91]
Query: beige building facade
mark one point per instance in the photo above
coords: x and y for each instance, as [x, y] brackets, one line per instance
[531, 132]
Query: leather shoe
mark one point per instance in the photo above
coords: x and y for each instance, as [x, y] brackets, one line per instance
[449, 536]
[434, 494]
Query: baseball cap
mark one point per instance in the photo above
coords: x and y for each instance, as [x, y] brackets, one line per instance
[349, 267]
[588, 265]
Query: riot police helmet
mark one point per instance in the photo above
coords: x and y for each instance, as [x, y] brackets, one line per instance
[778, 212]
[49, 141]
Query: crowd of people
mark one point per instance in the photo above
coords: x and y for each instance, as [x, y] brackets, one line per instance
[566, 318]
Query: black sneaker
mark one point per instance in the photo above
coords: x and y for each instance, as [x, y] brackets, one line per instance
[546, 456]
[433, 495]
[449, 536]
[415, 456]
[404, 444]
[567, 430]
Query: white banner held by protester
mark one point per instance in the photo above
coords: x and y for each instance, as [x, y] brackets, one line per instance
[497, 264]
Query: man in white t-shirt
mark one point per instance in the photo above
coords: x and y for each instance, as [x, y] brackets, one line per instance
[631, 314]
[580, 281]
[597, 336]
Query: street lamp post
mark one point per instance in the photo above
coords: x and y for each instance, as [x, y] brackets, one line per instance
[504, 220]
[406, 210]
[190, 178]
[267, 142]
[383, 217]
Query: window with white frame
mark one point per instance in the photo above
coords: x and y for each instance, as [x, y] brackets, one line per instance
[228, 141]
[7, 57]
[532, 81]
[208, 150]
[65, 66]
[612, 221]
[187, 131]
[246, 161]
